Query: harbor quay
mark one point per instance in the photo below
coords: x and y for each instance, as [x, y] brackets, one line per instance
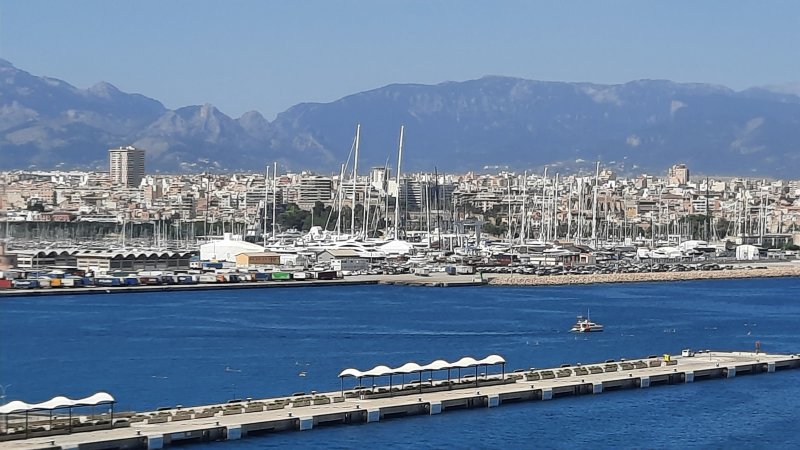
[437, 279]
[239, 419]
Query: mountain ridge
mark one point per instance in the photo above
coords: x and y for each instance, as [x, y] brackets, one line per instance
[641, 125]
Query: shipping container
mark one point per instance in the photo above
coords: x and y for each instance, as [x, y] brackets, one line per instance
[44, 282]
[281, 276]
[55, 282]
[108, 281]
[299, 276]
[169, 279]
[327, 275]
[187, 279]
[72, 282]
[87, 281]
[450, 270]
[26, 284]
[465, 270]
[207, 279]
[6, 284]
[150, 281]
[261, 276]
[131, 281]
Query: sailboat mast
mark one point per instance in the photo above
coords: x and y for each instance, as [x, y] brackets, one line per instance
[569, 210]
[355, 177]
[274, 198]
[365, 209]
[428, 211]
[555, 208]
[508, 181]
[524, 202]
[542, 236]
[339, 192]
[397, 200]
[594, 204]
[266, 201]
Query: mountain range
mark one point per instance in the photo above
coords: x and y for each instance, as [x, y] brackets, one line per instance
[640, 126]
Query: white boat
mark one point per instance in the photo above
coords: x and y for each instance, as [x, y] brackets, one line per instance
[585, 325]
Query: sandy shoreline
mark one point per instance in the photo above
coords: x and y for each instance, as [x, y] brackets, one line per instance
[555, 280]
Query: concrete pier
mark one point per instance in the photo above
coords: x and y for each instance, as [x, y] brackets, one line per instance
[160, 429]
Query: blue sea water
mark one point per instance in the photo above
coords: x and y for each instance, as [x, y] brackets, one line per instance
[160, 349]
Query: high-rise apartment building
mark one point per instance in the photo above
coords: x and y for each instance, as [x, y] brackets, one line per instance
[126, 165]
[678, 174]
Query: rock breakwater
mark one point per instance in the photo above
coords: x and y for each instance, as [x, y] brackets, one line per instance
[554, 280]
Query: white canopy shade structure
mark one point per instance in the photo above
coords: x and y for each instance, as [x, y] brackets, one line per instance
[18, 406]
[379, 371]
[412, 367]
[59, 402]
[464, 362]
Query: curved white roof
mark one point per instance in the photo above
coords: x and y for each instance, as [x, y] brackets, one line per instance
[439, 364]
[493, 359]
[411, 367]
[56, 402]
[378, 371]
[350, 373]
[466, 361]
[14, 406]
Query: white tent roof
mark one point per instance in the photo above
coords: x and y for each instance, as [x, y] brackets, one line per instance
[408, 368]
[378, 371]
[466, 361]
[439, 364]
[411, 367]
[56, 402]
[396, 248]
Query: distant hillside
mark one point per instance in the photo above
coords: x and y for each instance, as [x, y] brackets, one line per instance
[639, 126]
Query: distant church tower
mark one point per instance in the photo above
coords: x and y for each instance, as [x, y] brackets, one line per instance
[126, 166]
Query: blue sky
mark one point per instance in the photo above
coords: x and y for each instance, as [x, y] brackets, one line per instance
[268, 55]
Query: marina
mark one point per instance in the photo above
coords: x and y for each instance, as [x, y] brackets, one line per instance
[254, 417]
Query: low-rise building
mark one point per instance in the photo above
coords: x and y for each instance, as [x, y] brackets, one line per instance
[343, 260]
[256, 259]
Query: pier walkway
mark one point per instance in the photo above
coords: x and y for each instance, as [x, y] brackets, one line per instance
[154, 430]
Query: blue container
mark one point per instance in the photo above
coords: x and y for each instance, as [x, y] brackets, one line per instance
[186, 279]
[261, 276]
[107, 281]
[26, 284]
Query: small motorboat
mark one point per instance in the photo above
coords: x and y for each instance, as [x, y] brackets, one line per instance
[585, 325]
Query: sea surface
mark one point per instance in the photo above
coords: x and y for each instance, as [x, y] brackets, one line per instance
[162, 349]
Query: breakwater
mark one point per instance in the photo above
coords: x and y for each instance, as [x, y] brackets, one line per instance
[554, 280]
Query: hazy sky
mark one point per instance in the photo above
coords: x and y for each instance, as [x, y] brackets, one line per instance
[269, 55]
